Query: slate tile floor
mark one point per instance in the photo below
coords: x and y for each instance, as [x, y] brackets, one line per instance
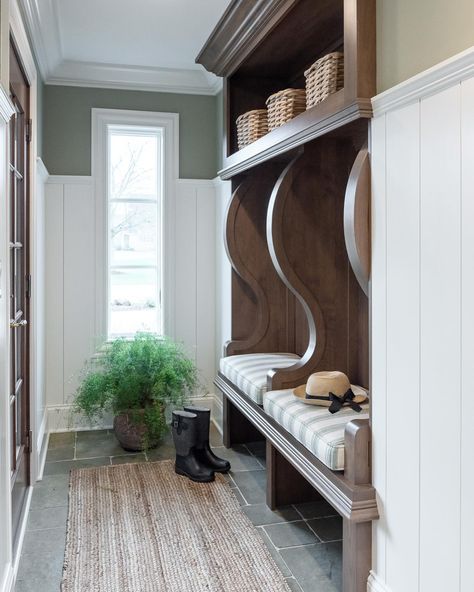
[304, 539]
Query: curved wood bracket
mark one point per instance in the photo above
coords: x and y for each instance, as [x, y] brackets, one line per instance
[287, 377]
[357, 219]
[231, 240]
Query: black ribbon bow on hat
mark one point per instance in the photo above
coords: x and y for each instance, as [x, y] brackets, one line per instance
[346, 399]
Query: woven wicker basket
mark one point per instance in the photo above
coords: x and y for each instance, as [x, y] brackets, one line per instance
[251, 126]
[284, 105]
[324, 77]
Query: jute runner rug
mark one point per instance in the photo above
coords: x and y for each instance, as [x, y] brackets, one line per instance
[142, 528]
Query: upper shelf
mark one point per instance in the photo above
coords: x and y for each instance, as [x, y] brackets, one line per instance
[263, 46]
[321, 119]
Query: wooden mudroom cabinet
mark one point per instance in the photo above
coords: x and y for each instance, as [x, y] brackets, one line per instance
[298, 225]
[298, 233]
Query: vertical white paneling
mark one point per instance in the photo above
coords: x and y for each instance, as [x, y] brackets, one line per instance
[205, 284]
[186, 267]
[79, 283]
[378, 336]
[403, 346]
[54, 253]
[38, 314]
[467, 342]
[440, 342]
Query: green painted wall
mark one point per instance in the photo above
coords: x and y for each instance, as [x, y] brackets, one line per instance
[67, 126]
[413, 35]
[39, 122]
[219, 129]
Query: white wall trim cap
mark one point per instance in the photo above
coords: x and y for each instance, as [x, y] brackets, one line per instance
[70, 180]
[431, 81]
[41, 169]
[375, 584]
[6, 106]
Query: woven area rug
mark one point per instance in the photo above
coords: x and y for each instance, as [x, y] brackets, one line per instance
[142, 528]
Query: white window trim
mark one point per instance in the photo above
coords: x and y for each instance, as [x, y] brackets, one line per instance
[169, 122]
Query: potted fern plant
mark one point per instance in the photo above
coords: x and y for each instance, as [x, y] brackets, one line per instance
[135, 380]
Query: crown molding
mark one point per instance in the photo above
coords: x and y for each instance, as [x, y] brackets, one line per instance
[243, 25]
[434, 80]
[90, 74]
[43, 28]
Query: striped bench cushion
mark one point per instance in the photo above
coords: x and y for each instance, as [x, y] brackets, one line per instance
[249, 371]
[318, 430]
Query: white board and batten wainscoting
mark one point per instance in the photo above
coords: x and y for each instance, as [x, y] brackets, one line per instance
[423, 328]
[71, 290]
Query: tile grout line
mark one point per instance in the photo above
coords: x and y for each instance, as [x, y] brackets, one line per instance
[278, 551]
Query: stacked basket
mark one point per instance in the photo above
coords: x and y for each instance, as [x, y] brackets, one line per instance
[251, 126]
[324, 77]
[284, 105]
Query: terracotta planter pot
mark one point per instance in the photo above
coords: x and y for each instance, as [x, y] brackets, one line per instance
[131, 434]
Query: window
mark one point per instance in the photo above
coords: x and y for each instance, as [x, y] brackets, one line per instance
[134, 230]
[135, 167]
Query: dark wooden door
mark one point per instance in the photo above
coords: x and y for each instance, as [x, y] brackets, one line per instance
[19, 290]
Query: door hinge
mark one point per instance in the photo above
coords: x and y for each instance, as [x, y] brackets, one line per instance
[28, 286]
[29, 439]
[28, 130]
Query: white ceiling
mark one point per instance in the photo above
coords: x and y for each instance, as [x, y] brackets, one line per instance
[146, 44]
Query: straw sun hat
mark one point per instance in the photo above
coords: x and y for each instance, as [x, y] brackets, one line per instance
[331, 389]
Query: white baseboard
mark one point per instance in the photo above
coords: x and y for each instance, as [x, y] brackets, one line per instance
[41, 448]
[21, 539]
[8, 580]
[62, 419]
[375, 584]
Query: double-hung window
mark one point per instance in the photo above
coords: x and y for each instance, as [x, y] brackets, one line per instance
[135, 168]
[134, 203]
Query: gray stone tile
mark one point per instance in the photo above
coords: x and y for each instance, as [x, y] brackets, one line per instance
[61, 439]
[327, 529]
[316, 567]
[44, 543]
[239, 496]
[130, 458]
[260, 514]
[239, 457]
[277, 558]
[293, 585]
[258, 449]
[252, 485]
[47, 518]
[106, 445]
[92, 434]
[290, 534]
[164, 451]
[316, 509]
[60, 453]
[215, 437]
[64, 466]
[40, 572]
[51, 492]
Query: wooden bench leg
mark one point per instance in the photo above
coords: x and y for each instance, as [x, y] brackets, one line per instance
[285, 485]
[237, 429]
[356, 555]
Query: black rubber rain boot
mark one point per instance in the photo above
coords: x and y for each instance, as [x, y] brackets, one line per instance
[203, 450]
[184, 427]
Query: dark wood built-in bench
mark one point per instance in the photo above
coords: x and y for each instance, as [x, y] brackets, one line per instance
[298, 237]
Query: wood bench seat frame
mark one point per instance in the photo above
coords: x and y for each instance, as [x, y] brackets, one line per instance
[349, 492]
